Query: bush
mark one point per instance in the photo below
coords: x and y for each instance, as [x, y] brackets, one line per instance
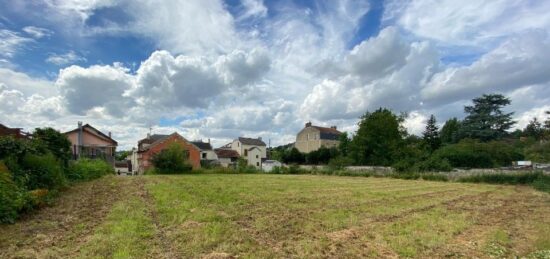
[339, 162]
[43, 171]
[505, 178]
[435, 177]
[11, 197]
[88, 169]
[172, 160]
[435, 164]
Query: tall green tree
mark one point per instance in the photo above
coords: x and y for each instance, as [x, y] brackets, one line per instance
[378, 138]
[450, 131]
[431, 134]
[485, 119]
[49, 139]
[344, 145]
[534, 129]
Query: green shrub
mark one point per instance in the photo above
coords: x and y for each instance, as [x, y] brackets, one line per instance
[542, 183]
[435, 164]
[339, 162]
[44, 172]
[434, 177]
[11, 196]
[172, 160]
[88, 169]
[504, 178]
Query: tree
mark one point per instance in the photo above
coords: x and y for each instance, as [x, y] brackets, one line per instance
[378, 138]
[172, 160]
[547, 121]
[534, 129]
[121, 155]
[293, 156]
[344, 145]
[48, 139]
[485, 119]
[431, 134]
[450, 131]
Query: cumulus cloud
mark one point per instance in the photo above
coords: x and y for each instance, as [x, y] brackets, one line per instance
[97, 86]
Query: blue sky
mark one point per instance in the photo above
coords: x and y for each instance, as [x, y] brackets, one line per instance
[222, 69]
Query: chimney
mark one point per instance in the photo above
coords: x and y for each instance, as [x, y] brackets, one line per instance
[260, 138]
[148, 135]
[109, 134]
[308, 124]
[333, 127]
[209, 140]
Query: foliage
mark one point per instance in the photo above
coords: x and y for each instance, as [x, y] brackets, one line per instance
[321, 155]
[378, 138]
[538, 179]
[88, 169]
[470, 153]
[11, 147]
[450, 131]
[121, 155]
[11, 200]
[48, 140]
[345, 143]
[534, 130]
[431, 135]
[340, 162]
[485, 119]
[434, 164]
[293, 156]
[172, 160]
[538, 152]
[43, 172]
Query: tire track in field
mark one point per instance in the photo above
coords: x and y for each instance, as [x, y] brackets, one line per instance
[167, 248]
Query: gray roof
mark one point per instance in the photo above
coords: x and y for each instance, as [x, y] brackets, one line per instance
[153, 138]
[252, 141]
[202, 145]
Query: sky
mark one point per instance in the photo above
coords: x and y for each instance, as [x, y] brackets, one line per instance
[212, 69]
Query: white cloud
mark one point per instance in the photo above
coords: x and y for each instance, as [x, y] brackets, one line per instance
[415, 123]
[11, 42]
[518, 62]
[253, 8]
[469, 22]
[37, 32]
[64, 59]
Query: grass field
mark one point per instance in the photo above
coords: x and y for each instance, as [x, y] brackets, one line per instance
[274, 216]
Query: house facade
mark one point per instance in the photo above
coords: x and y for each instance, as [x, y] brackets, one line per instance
[207, 152]
[227, 157]
[153, 144]
[14, 132]
[311, 138]
[244, 146]
[88, 142]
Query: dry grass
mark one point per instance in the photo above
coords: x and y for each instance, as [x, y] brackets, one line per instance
[274, 216]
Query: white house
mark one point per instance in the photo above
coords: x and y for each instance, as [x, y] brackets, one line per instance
[207, 152]
[245, 145]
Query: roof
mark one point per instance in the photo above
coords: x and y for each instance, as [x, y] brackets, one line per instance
[252, 148]
[252, 141]
[226, 153]
[202, 145]
[325, 133]
[327, 130]
[94, 131]
[153, 138]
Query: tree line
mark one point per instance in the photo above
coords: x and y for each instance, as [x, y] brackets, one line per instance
[481, 140]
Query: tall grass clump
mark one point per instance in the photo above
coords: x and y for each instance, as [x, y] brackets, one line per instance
[88, 169]
[538, 180]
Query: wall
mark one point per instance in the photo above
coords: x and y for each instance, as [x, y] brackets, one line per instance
[255, 158]
[308, 140]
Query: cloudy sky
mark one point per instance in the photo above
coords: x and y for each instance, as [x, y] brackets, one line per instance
[222, 69]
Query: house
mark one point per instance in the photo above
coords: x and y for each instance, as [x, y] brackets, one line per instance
[14, 132]
[311, 138]
[268, 165]
[132, 159]
[153, 144]
[257, 147]
[122, 167]
[88, 142]
[207, 153]
[227, 157]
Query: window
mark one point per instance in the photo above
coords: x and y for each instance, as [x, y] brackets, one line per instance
[257, 156]
[204, 155]
[245, 152]
[257, 163]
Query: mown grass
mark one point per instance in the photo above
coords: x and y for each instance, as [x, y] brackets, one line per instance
[303, 216]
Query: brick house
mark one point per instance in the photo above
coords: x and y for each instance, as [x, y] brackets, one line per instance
[153, 144]
[14, 132]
